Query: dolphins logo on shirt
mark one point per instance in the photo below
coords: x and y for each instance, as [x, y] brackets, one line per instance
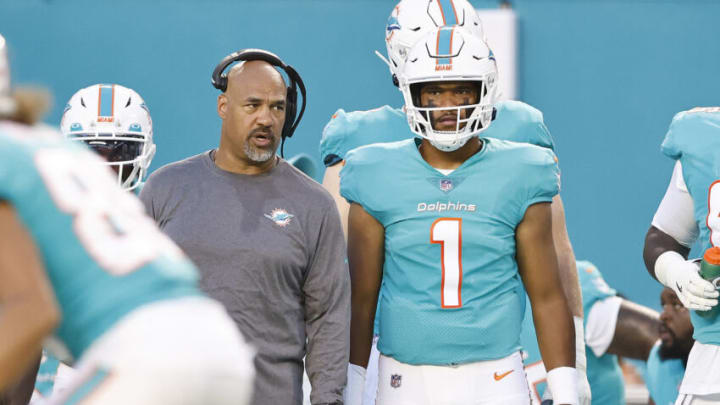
[280, 217]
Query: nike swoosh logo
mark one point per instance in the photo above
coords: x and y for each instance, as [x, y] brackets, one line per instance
[678, 286]
[499, 377]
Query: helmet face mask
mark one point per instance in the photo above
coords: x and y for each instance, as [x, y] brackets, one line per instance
[410, 20]
[113, 121]
[432, 60]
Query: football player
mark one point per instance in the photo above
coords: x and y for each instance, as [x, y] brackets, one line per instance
[668, 357]
[514, 120]
[688, 213]
[115, 122]
[80, 260]
[453, 225]
[613, 326]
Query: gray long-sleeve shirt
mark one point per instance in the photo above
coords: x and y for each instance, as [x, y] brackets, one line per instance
[269, 247]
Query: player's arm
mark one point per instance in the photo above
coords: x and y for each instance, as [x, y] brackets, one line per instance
[366, 255]
[29, 312]
[538, 266]
[566, 258]
[331, 183]
[571, 286]
[636, 331]
[21, 393]
[667, 244]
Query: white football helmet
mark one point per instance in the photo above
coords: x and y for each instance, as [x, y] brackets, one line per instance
[450, 54]
[7, 103]
[410, 20]
[115, 122]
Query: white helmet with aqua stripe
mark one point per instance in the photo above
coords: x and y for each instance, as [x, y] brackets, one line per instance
[410, 20]
[115, 122]
[449, 56]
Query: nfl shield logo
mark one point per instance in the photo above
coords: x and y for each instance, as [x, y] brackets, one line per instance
[446, 185]
[395, 380]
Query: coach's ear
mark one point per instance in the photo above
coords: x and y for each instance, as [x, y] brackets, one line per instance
[222, 105]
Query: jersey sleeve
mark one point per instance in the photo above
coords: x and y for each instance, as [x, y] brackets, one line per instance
[356, 179]
[333, 144]
[671, 145]
[520, 122]
[542, 177]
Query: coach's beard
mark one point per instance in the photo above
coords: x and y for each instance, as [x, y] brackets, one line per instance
[260, 155]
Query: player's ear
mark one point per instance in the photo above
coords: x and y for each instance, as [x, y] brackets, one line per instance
[222, 105]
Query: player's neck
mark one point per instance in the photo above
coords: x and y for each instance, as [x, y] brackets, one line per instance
[449, 160]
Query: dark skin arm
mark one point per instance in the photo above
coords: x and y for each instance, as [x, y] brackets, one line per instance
[24, 291]
[658, 242]
[366, 255]
[538, 268]
[21, 393]
[636, 331]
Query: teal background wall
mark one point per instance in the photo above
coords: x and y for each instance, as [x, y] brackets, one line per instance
[608, 75]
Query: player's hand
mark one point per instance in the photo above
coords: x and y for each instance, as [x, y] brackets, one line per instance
[683, 277]
[583, 386]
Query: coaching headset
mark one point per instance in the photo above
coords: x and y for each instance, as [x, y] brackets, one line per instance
[292, 119]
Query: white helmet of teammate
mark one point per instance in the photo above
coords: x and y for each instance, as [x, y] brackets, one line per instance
[115, 122]
[450, 54]
[7, 103]
[410, 20]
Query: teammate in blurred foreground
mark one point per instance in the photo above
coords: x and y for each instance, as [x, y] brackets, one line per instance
[79, 258]
[514, 121]
[450, 224]
[689, 212]
[115, 122]
[613, 326]
[669, 355]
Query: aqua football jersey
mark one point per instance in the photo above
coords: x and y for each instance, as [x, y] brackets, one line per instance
[101, 265]
[604, 373]
[663, 377]
[514, 121]
[694, 140]
[451, 289]
[45, 379]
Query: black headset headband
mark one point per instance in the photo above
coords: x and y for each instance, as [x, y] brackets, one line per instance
[219, 81]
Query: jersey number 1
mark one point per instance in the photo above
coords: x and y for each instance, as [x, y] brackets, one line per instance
[448, 233]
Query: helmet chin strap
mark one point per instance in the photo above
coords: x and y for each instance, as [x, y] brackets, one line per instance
[449, 148]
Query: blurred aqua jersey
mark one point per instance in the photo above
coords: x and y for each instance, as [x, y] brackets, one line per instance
[103, 256]
[514, 121]
[694, 140]
[451, 289]
[663, 377]
[45, 379]
[604, 373]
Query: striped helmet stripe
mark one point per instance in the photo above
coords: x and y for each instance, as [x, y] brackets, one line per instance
[447, 8]
[106, 103]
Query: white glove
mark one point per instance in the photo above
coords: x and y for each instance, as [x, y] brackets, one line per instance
[353, 393]
[683, 277]
[583, 386]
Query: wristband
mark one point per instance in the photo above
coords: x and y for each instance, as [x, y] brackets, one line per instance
[562, 383]
[665, 262]
[353, 393]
